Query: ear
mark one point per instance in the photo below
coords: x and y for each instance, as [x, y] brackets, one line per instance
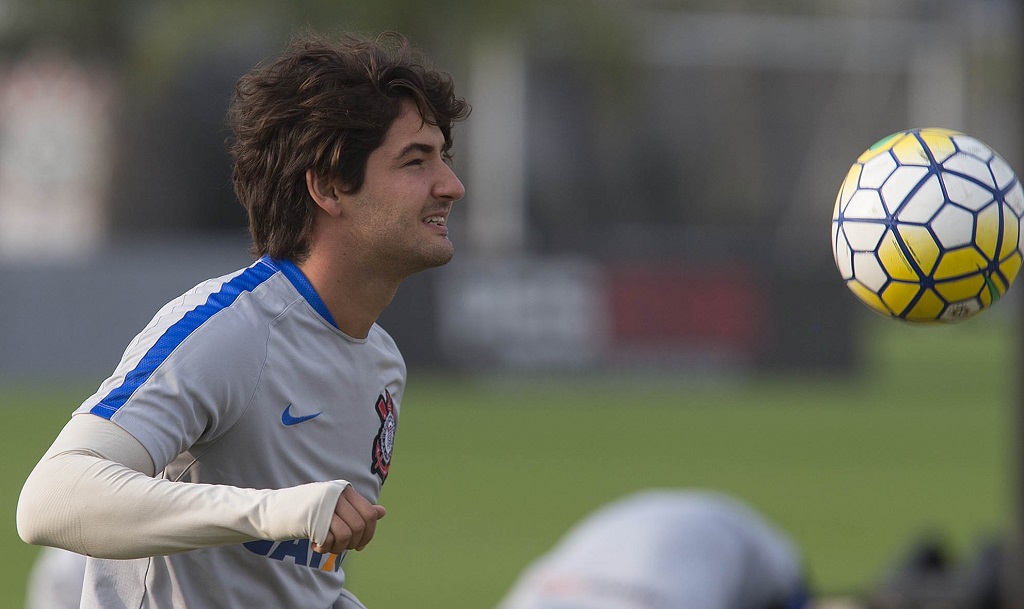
[324, 192]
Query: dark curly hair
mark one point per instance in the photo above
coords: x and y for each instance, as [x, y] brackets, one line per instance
[323, 105]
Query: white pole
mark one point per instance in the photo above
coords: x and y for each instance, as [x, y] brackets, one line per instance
[495, 198]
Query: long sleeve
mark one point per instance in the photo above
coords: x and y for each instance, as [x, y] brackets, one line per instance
[93, 493]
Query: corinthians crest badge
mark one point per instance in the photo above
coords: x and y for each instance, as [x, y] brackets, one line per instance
[385, 440]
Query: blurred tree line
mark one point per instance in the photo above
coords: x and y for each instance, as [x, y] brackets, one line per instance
[601, 131]
[175, 64]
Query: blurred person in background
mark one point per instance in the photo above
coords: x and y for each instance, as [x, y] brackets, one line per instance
[667, 549]
[55, 581]
[237, 451]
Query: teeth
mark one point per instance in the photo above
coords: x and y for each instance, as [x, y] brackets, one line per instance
[435, 220]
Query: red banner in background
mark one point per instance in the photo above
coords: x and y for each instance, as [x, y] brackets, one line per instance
[720, 308]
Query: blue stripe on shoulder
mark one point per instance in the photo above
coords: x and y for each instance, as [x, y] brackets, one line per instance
[302, 284]
[246, 281]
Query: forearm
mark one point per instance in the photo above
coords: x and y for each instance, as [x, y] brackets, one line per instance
[80, 499]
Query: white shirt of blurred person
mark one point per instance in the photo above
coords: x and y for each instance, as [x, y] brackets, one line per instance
[56, 580]
[666, 549]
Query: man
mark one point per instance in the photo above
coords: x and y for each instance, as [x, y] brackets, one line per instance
[238, 450]
[666, 549]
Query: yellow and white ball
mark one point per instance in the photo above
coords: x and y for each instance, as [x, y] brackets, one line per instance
[927, 226]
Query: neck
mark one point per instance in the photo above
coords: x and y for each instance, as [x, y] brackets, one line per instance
[354, 295]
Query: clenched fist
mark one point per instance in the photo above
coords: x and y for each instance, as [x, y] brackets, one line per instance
[355, 520]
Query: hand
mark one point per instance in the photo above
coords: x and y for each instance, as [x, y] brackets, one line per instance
[352, 526]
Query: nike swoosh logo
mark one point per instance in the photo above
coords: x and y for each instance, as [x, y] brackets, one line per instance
[288, 419]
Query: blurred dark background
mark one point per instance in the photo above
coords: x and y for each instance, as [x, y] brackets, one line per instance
[649, 184]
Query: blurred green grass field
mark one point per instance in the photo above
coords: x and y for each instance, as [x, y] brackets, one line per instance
[487, 474]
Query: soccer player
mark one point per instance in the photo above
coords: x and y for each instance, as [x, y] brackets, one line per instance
[666, 549]
[237, 451]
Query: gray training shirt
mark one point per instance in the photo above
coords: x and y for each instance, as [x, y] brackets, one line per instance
[247, 381]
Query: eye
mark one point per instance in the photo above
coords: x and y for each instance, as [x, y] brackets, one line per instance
[413, 162]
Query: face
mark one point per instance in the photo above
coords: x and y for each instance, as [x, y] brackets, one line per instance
[401, 211]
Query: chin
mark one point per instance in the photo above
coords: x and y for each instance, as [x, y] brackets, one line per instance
[435, 258]
[443, 259]
[442, 255]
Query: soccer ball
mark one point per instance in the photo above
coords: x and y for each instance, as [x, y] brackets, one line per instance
[927, 226]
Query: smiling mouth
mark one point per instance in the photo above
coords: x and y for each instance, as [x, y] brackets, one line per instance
[436, 220]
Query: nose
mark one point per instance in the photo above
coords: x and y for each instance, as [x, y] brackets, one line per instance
[448, 186]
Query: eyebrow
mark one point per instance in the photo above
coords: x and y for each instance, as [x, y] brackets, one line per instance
[415, 147]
